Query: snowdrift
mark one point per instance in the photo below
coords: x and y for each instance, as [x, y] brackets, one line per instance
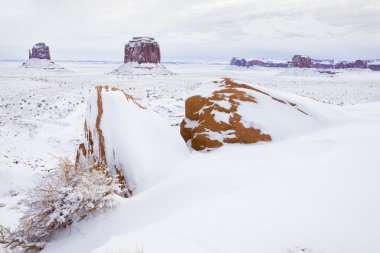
[134, 68]
[42, 64]
[314, 191]
[131, 140]
[226, 111]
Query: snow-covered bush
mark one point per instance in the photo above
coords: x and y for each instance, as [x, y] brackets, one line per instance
[67, 194]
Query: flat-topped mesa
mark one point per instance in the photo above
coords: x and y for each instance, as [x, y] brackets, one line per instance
[40, 51]
[142, 50]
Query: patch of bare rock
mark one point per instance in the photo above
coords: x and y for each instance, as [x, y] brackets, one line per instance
[226, 114]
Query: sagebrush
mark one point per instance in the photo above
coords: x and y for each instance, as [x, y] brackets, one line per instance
[67, 194]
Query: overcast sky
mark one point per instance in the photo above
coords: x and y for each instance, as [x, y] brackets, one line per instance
[213, 30]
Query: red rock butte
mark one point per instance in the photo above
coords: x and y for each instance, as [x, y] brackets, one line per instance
[40, 51]
[142, 50]
[301, 61]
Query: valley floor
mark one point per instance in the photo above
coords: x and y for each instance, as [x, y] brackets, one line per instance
[315, 192]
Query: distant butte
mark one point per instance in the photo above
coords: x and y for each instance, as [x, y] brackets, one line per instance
[40, 51]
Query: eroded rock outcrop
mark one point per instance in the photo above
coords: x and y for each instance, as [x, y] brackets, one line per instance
[40, 51]
[241, 62]
[350, 65]
[301, 61]
[142, 56]
[131, 140]
[142, 50]
[39, 59]
[231, 114]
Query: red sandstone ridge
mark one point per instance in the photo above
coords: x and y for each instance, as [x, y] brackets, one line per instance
[300, 61]
[142, 50]
[40, 51]
[131, 140]
[238, 113]
[94, 149]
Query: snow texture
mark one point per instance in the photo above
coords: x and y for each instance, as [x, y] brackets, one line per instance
[313, 191]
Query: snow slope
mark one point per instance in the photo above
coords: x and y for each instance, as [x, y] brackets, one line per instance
[130, 137]
[317, 190]
[133, 68]
[42, 64]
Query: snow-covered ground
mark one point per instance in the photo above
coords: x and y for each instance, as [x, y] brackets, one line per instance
[318, 191]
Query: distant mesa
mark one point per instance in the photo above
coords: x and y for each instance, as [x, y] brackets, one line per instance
[142, 56]
[303, 61]
[375, 66]
[261, 63]
[40, 51]
[360, 64]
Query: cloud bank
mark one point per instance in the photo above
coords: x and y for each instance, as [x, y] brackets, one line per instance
[213, 30]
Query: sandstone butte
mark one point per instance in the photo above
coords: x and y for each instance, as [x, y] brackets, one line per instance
[142, 50]
[202, 131]
[301, 61]
[40, 51]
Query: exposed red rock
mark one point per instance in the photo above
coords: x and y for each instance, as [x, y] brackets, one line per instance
[219, 117]
[40, 51]
[93, 149]
[300, 61]
[142, 50]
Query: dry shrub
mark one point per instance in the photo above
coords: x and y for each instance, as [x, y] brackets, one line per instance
[67, 194]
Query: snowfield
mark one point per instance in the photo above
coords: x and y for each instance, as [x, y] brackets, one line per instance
[316, 190]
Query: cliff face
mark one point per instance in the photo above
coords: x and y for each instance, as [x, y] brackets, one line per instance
[142, 50]
[40, 51]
